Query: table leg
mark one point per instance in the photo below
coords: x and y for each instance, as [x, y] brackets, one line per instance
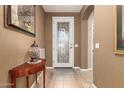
[27, 81]
[13, 82]
[36, 78]
[44, 70]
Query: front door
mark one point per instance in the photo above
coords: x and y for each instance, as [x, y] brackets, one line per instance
[63, 41]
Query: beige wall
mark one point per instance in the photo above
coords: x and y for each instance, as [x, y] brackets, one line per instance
[108, 67]
[84, 43]
[48, 36]
[14, 46]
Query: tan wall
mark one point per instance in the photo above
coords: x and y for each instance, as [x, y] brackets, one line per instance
[14, 46]
[48, 36]
[108, 67]
[84, 43]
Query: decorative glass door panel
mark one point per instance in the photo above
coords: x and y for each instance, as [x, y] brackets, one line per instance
[63, 42]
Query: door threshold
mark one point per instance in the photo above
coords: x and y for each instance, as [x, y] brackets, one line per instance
[63, 67]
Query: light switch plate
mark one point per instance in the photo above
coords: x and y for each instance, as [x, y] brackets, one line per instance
[76, 45]
[97, 45]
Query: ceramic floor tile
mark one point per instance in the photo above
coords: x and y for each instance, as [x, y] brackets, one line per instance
[55, 84]
[67, 78]
[71, 84]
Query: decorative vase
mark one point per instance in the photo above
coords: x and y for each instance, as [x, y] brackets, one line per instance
[34, 52]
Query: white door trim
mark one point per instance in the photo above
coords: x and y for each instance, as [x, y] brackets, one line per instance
[90, 41]
[69, 19]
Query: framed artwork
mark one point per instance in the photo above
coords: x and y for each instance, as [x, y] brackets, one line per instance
[21, 17]
[119, 33]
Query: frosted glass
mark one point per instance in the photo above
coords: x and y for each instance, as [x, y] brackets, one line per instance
[63, 42]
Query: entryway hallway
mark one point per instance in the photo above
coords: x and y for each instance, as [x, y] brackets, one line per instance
[66, 78]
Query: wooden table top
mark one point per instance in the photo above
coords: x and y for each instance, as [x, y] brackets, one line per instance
[26, 68]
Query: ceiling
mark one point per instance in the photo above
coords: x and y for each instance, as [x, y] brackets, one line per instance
[62, 8]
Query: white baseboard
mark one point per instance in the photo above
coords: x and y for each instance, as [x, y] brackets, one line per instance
[76, 67]
[35, 81]
[85, 69]
[49, 67]
[94, 86]
[81, 69]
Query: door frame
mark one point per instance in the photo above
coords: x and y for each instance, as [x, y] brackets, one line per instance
[90, 42]
[55, 19]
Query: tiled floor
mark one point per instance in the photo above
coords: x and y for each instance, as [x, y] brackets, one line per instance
[67, 78]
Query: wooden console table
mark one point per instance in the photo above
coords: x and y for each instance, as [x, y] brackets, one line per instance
[26, 70]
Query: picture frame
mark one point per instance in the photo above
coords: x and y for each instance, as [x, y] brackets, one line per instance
[119, 29]
[22, 17]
